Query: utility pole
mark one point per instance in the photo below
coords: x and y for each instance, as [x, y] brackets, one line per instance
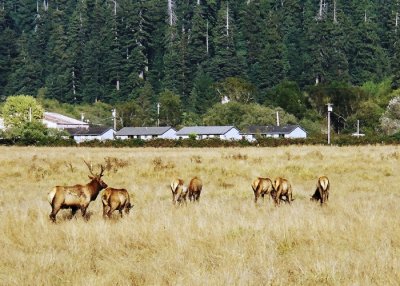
[158, 114]
[30, 114]
[329, 122]
[114, 115]
[277, 118]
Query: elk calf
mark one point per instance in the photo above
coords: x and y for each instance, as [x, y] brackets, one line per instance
[281, 188]
[261, 186]
[194, 189]
[77, 196]
[322, 191]
[115, 199]
[179, 191]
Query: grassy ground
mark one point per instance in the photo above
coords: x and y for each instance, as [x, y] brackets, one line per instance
[222, 240]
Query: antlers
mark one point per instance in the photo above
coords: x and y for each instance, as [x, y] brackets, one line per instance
[91, 169]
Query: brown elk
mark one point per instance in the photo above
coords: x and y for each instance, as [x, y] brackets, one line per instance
[322, 191]
[179, 191]
[76, 197]
[281, 188]
[194, 189]
[115, 199]
[261, 187]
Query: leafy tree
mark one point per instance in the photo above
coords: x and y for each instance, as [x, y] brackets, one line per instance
[390, 120]
[171, 108]
[242, 115]
[236, 89]
[130, 113]
[20, 109]
[368, 113]
[288, 95]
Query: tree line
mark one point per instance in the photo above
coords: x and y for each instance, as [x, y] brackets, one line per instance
[263, 55]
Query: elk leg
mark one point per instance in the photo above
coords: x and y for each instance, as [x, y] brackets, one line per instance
[278, 198]
[256, 195]
[105, 210]
[120, 212]
[321, 195]
[73, 211]
[54, 211]
[83, 211]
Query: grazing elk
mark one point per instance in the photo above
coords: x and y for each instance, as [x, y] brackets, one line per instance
[281, 188]
[261, 186]
[179, 191]
[76, 197]
[194, 189]
[322, 192]
[115, 199]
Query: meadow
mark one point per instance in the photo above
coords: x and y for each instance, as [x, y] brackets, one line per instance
[222, 240]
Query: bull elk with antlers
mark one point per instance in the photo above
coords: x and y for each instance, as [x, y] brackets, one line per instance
[261, 187]
[76, 197]
[179, 191]
[322, 192]
[281, 188]
[115, 199]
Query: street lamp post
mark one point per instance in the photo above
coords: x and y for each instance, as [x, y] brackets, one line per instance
[329, 122]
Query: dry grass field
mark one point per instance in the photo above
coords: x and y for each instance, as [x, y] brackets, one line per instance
[224, 239]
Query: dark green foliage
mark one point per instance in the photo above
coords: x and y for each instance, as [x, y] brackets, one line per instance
[81, 52]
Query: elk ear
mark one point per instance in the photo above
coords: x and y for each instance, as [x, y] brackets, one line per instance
[91, 177]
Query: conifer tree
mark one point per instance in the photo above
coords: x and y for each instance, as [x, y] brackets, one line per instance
[226, 62]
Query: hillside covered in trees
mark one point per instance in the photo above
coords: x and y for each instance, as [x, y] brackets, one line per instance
[293, 56]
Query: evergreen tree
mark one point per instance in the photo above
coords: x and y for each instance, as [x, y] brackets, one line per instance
[57, 80]
[25, 75]
[7, 49]
[226, 62]
[273, 60]
[202, 96]
[197, 44]
[253, 30]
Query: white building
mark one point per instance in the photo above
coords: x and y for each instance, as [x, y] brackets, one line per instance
[286, 131]
[146, 133]
[59, 121]
[100, 133]
[202, 132]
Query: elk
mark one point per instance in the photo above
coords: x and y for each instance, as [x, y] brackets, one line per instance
[179, 191]
[281, 188]
[76, 197]
[115, 199]
[261, 186]
[194, 189]
[322, 191]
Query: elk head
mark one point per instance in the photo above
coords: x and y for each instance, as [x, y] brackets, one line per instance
[96, 177]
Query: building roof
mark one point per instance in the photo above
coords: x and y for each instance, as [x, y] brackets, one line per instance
[204, 130]
[93, 130]
[271, 129]
[142, 131]
[62, 119]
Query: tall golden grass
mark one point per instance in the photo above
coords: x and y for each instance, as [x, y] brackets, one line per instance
[224, 239]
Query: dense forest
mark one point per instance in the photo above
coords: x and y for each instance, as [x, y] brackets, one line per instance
[185, 56]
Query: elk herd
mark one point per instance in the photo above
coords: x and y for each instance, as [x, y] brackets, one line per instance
[78, 197]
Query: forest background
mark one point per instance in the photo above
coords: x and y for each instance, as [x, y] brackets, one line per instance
[89, 57]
